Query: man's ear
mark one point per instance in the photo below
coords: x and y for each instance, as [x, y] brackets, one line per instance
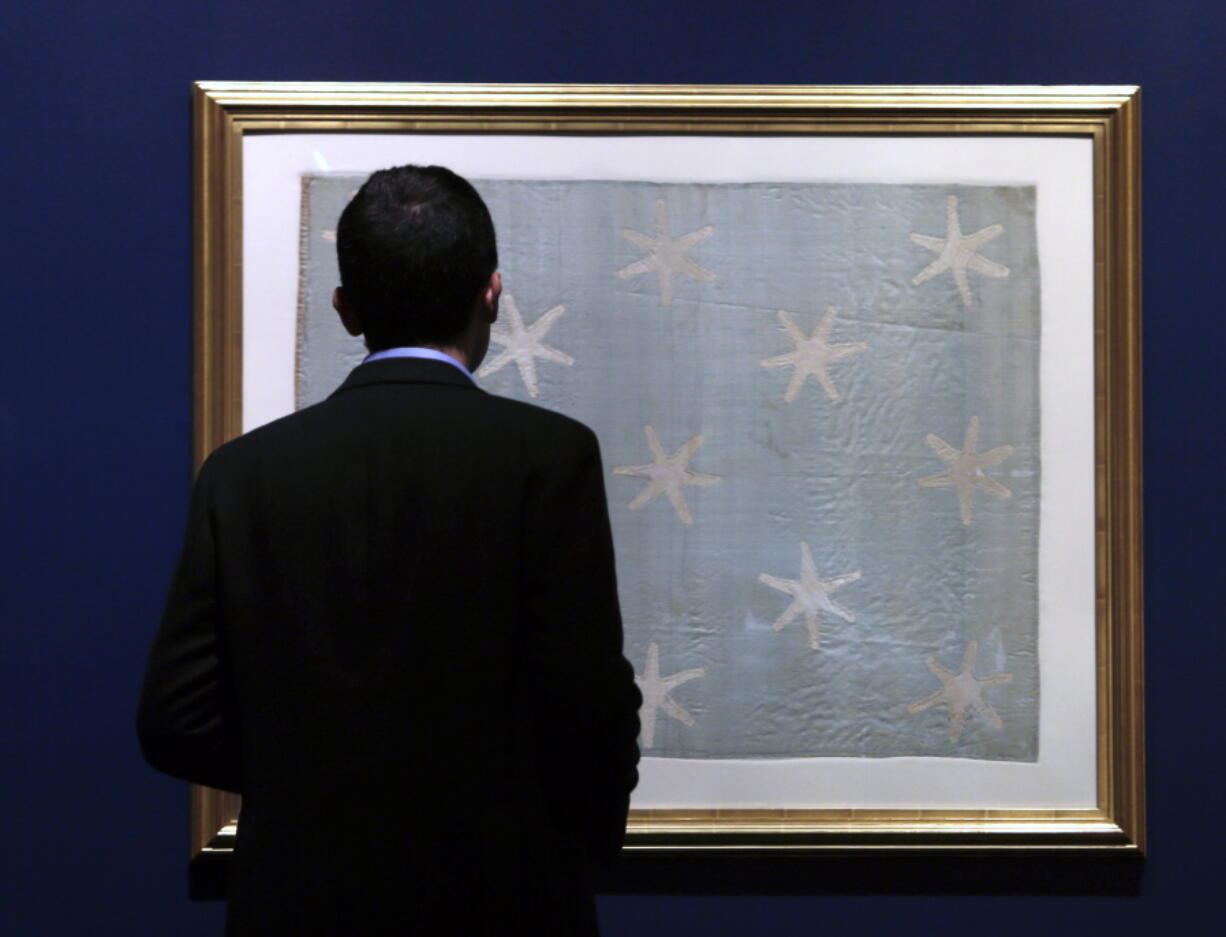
[349, 315]
[489, 296]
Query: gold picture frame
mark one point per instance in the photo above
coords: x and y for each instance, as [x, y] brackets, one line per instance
[227, 115]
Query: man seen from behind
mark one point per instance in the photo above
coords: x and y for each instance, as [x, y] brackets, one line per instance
[394, 626]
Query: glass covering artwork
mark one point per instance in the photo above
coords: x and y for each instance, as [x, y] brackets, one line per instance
[818, 406]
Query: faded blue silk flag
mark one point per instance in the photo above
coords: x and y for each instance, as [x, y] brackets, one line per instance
[818, 406]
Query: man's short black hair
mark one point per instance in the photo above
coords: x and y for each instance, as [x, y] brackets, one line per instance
[415, 248]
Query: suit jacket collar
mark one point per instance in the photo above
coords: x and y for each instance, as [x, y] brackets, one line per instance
[405, 371]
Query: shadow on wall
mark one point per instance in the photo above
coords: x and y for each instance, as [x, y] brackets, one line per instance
[1118, 875]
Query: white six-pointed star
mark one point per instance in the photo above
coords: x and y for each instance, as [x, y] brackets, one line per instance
[961, 692]
[524, 344]
[668, 474]
[810, 595]
[966, 468]
[666, 254]
[656, 689]
[812, 354]
[957, 253]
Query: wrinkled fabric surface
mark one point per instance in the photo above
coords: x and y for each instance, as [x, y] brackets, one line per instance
[671, 299]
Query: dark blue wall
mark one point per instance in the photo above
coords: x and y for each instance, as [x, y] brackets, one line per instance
[95, 388]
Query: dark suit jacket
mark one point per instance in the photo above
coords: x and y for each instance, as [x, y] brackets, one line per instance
[394, 629]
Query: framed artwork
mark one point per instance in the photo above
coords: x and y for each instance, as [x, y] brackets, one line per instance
[864, 366]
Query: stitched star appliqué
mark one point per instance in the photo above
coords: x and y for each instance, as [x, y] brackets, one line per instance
[666, 254]
[668, 474]
[810, 595]
[957, 253]
[656, 690]
[962, 692]
[966, 468]
[524, 344]
[812, 354]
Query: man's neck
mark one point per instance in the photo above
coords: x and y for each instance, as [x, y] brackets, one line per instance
[458, 352]
[419, 351]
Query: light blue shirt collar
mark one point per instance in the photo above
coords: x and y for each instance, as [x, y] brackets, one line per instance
[431, 353]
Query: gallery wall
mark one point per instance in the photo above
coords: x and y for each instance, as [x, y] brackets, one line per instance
[95, 394]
